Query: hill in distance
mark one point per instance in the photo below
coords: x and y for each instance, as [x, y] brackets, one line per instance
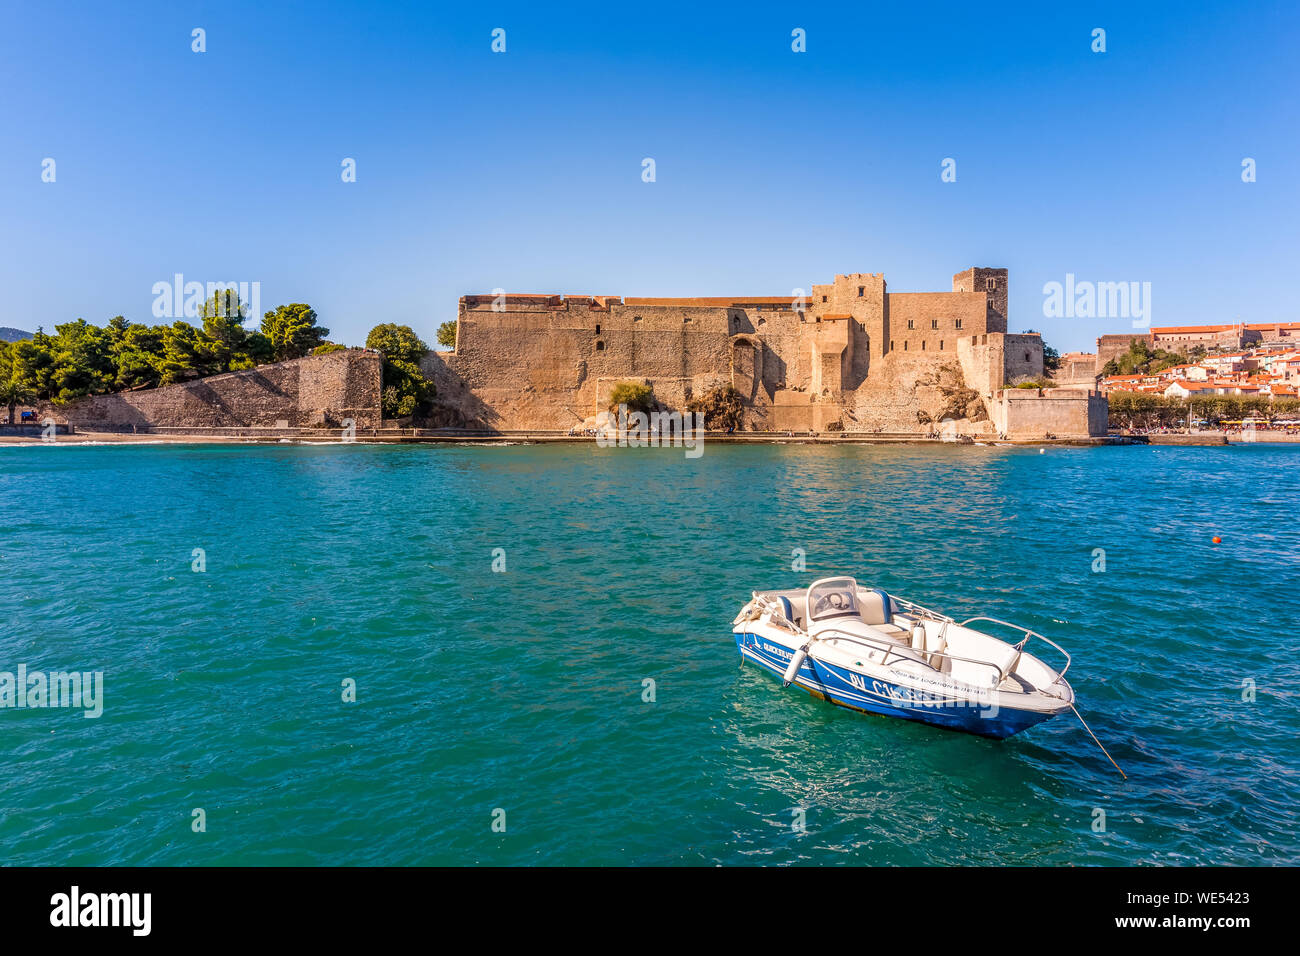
[13, 335]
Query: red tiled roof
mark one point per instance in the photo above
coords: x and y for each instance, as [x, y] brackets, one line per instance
[511, 295]
[716, 302]
[1257, 327]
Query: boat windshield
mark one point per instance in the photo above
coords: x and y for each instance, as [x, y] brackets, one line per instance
[832, 597]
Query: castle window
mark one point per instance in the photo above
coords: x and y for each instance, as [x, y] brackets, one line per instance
[959, 324]
[598, 328]
[991, 284]
[904, 345]
[911, 323]
[1026, 356]
[941, 345]
[891, 345]
[934, 323]
[636, 318]
[923, 346]
[600, 346]
[823, 298]
[861, 289]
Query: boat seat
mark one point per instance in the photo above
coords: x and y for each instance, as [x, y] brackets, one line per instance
[791, 615]
[875, 608]
[790, 610]
[894, 632]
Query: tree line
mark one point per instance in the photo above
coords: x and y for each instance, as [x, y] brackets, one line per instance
[1145, 410]
[1142, 359]
[82, 359]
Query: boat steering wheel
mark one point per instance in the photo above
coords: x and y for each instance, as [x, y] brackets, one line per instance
[834, 600]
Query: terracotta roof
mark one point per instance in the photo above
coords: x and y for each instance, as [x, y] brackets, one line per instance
[1257, 327]
[716, 302]
[511, 295]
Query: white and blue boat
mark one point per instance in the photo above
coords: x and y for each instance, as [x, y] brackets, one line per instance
[868, 650]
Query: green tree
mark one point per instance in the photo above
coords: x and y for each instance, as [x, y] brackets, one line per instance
[292, 330]
[637, 396]
[1051, 358]
[137, 354]
[397, 343]
[405, 389]
[33, 366]
[1141, 359]
[222, 344]
[13, 392]
[82, 363]
[83, 359]
[183, 354]
[115, 331]
[447, 334]
[257, 350]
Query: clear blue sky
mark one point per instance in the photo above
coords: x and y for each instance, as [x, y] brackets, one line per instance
[522, 170]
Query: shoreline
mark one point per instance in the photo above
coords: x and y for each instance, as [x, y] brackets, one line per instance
[265, 436]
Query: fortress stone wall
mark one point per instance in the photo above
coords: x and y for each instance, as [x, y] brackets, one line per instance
[849, 355]
[317, 390]
[1078, 370]
[1029, 413]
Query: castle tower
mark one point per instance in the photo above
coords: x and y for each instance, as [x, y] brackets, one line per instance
[832, 354]
[993, 283]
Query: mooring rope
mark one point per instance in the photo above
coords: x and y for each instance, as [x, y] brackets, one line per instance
[1098, 742]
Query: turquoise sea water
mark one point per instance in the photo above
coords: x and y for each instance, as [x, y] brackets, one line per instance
[522, 691]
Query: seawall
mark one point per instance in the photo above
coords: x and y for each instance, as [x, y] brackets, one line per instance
[316, 391]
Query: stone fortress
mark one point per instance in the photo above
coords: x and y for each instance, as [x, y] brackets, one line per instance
[850, 356]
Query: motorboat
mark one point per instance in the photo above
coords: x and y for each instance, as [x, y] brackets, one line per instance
[872, 651]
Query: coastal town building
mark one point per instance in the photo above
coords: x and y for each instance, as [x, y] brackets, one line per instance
[1261, 375]
[1260, 359]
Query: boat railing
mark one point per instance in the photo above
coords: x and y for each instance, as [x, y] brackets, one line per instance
[771, 607]
[1020, 647]
[766, 605]
[920, 609]
[889, 647]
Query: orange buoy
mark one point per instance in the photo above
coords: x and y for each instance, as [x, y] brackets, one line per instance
[1217, 540]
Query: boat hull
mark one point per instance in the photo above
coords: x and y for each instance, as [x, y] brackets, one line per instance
[876, 695]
